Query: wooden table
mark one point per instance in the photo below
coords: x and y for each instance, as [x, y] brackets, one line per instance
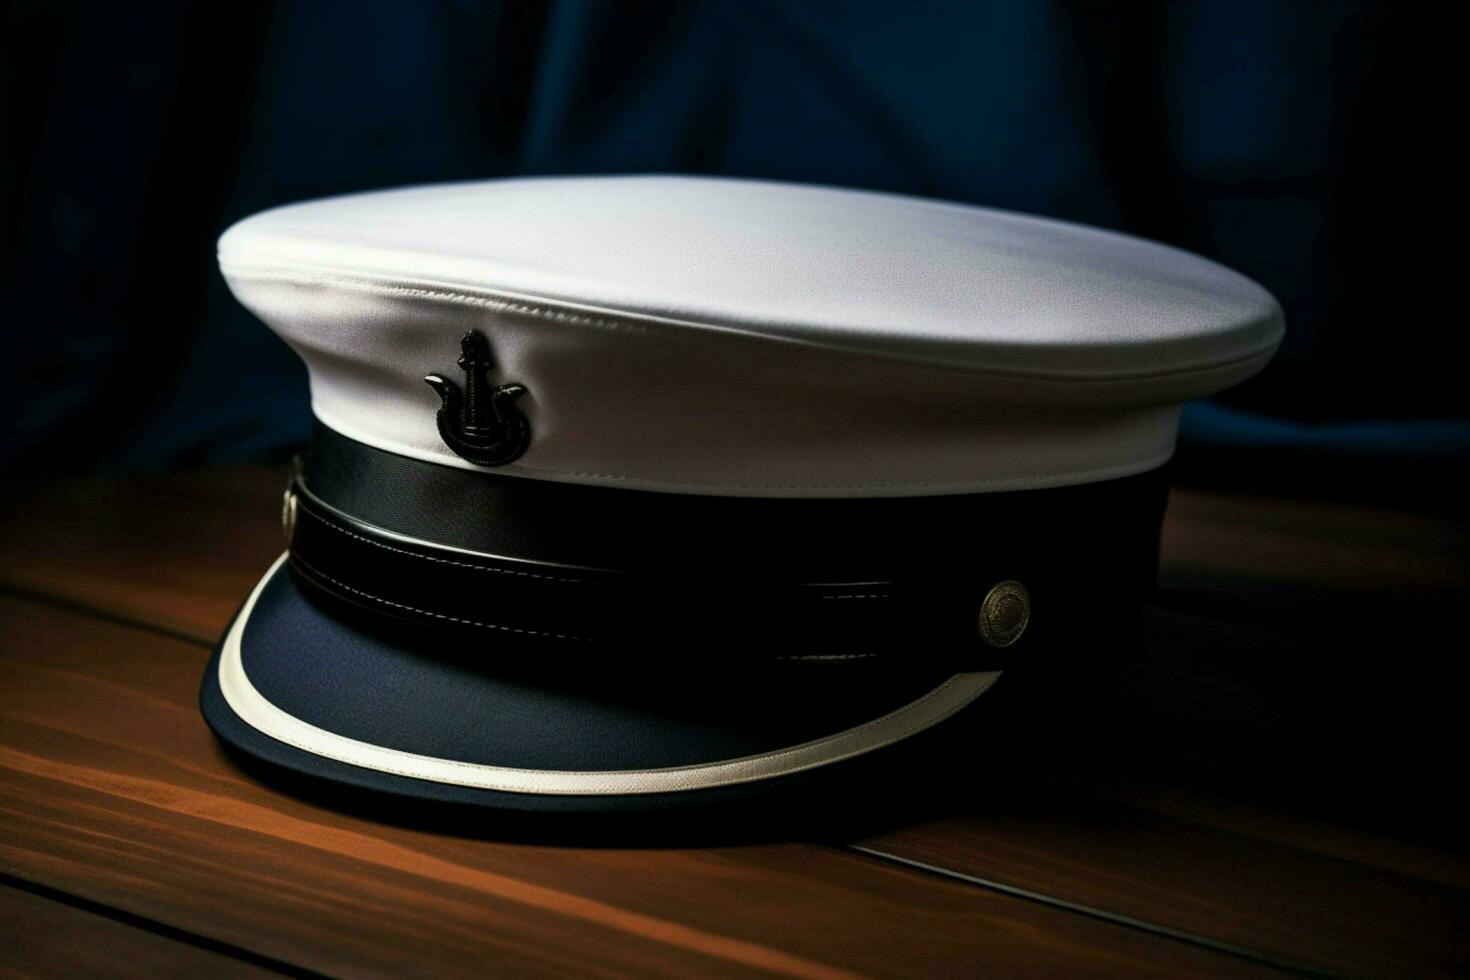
[1279, 794]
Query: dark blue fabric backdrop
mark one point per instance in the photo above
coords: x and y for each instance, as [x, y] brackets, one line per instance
[1304, 144]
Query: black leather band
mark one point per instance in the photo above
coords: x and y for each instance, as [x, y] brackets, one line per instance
[534, 566]
[572, 608]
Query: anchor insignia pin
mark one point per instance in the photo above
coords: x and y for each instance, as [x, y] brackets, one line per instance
[481, 424]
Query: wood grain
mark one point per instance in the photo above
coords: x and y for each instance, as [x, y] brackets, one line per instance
[110, 788]
[1277, 826]
[179, 551]
[1340, 916]
[40, 937]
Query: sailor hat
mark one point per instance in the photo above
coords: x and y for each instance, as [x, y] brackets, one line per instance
[634, 492]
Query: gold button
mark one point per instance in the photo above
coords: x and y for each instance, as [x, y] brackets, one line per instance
[1004, 614]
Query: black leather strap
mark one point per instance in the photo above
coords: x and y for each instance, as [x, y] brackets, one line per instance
[579, 608]
[518, 565]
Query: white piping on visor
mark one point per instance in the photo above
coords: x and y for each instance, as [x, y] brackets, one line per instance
[253, 708]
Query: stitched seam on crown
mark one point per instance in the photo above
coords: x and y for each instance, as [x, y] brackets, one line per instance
[468, 299]
[629, 321]
[443, 561]
[428, 612]
[870, 595]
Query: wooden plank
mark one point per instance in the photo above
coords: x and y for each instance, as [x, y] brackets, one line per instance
[176, 550]
[1340, 916]
[40, 937]
[1274, 825]
[1244, 575]
[112, 789]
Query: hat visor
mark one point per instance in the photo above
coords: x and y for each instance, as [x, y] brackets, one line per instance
[441, 716]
